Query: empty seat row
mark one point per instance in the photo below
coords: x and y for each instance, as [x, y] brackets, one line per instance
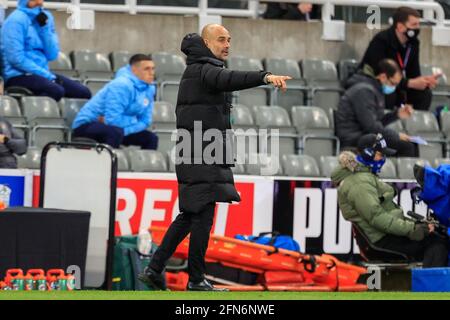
[132, 159]
[90, 64]
[309, 131]
[41, 119]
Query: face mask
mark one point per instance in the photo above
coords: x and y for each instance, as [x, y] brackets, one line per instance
[375, 166]
[412, 34]
[387, 90]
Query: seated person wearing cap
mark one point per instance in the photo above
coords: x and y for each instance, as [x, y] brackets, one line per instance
[368, 202]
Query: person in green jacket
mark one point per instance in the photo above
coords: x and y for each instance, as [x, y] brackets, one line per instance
[368, 202]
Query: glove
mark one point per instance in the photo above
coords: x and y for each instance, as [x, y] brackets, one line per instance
[419, 233]
[415, 194]
[42, 18]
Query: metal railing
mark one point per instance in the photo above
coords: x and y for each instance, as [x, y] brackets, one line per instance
[433, 11]
[132, 7]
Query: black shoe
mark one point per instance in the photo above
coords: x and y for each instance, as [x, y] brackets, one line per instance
[153, 279]
[204, 286]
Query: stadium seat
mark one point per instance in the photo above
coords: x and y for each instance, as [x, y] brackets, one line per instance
[31, 159]
[300, 166]
[263, 165]
[10, 110]
[316, 69]
[168, 66]
[245, 131]
[95, 85]
[164, 124]
[405, 167]
[250, 97]
[287, 67]
[346, 69]
[147, 160]
[321, 76]
[119, 59]
[440, 98]
[241, 117]
[92, 66]
[241, 63]
[445, 124]
[388, 171]
[424, 124]
[271, 118]
[296, 88]
[168, 91]
[327, 165]
[44, 119]
[69, 109]
[316, 137]
[18, 92]
[122, 160]
[63, 66]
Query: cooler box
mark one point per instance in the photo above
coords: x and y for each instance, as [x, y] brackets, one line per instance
[431, 280]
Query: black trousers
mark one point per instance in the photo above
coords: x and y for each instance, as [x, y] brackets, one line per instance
[432, 251]
[199, 225]
[404, 148]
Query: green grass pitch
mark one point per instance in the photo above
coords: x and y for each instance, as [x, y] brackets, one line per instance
[158, 295]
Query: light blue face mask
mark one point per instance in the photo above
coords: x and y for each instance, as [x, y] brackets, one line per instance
[388, 89]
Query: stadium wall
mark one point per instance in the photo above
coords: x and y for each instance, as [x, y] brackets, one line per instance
[254, 38]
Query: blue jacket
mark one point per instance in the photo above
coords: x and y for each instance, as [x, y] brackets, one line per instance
[27, 47]
[125, 102]
[436, 191]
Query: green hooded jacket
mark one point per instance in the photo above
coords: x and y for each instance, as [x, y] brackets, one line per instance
[367, 201]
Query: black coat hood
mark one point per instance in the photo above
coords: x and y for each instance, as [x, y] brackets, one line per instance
[196, 51]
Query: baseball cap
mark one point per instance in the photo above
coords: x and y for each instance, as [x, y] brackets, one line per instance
[375, 142]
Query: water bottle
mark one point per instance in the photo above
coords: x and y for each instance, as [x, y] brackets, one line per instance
[144, 242]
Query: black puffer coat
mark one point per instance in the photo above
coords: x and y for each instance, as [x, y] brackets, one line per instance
[361, 111]
[204, 96]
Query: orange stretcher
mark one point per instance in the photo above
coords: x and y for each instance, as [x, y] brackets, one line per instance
[279, 269]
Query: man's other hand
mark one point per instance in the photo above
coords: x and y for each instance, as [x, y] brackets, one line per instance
[419, 83]
[305, 7]
[404, 137]
[278, 81]
[405, 112]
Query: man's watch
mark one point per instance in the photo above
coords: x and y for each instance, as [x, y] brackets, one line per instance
[266, 81]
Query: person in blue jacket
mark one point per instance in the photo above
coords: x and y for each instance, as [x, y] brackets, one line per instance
[29, 42]
[121, 111]
[434, 190]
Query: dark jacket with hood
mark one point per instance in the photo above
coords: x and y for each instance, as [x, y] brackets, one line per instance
[361, 110]
[205, 95]
[385, 45]
[15, 144]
